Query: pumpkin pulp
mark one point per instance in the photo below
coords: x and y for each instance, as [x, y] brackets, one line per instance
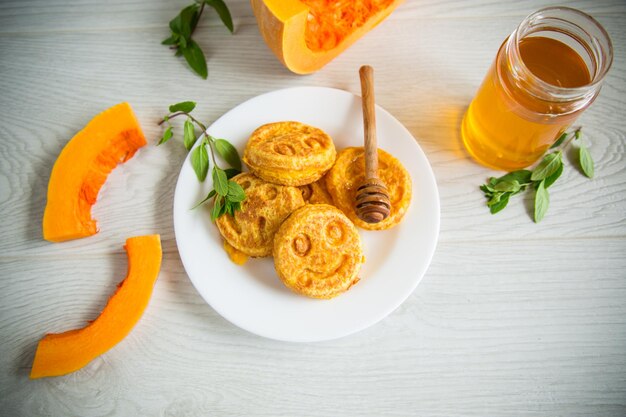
[81, 169]
[305, 35]
[62, 353]
[329, 22]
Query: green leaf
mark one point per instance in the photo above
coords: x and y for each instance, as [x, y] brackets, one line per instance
[228, 207]
[186, 21]
[222, 10]
[228, 152]
[548, 166]
[231, 172]
[500, 204]
[235, 192]
[560, 140]
[495, 198]
[522, 176]
[183, 106]
[550, 180]
[218, 206]
[220, 182]
[507, 185]
[486, 189]
[172, 40]
[200, 161]
[207, 198]
[182, 44]
[586, 162]
[175, 26]
[195, 58]
[542, 201]
[167, 135]
[190, 136]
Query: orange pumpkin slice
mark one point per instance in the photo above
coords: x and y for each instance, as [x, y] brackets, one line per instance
[307, 34]
[62, 353]
[111, 137]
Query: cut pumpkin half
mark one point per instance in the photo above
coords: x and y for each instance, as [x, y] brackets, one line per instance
[110, 138]
[305, 35]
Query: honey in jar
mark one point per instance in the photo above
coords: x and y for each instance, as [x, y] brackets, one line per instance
[544, 76]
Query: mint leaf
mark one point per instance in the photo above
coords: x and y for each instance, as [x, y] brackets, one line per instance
[195, 58]
[167, 135]
[550, 180]
[175, 25]
[522, 176]
[211, 194]
[218, 207]
[220, 182]
[231, 172]
[495, 198]
[507, 185]
[586, 162]
[542, 201]
[222, 11]
[183, 106]
[500, 204]
[172, 40]
[235, 192]
[548, 166]
[186, 21]
[200, 161]
[189, 137]
[559, 141]
[228, 152]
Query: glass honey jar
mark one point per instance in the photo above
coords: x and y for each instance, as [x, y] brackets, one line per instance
[545, 74]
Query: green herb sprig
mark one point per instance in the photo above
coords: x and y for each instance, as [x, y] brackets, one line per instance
[499, 190]
[227, 194]
[183, 26]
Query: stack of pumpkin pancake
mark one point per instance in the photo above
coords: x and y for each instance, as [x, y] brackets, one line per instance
[299, 207]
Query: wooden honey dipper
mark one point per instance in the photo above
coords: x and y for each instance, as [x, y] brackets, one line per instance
[372, 197]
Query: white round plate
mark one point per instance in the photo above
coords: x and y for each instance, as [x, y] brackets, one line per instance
[252, 296]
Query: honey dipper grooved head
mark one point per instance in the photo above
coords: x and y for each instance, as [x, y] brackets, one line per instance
[372, 201]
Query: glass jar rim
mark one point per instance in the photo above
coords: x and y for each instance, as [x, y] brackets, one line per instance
[565, 91]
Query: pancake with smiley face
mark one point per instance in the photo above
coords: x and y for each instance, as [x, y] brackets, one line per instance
[289, 153]
[251, 230]
[349, 172]
[317, 251]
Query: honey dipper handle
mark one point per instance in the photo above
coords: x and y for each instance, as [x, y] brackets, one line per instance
[366, 74]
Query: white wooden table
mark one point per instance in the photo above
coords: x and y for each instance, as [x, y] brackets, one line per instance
[512, 318]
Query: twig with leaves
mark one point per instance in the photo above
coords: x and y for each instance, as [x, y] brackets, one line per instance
[227, 193]
[499, 190]
[184, 25]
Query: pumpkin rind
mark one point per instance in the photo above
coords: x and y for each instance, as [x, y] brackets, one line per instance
[110, 138]
[283, 25]
[62, 353]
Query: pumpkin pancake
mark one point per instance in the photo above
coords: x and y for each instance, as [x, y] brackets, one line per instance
[317, 251]
[316, 192]
[349, 172]
[289, 153]
[251, 230]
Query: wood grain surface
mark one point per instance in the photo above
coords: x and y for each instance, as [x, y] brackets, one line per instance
[511, 319]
